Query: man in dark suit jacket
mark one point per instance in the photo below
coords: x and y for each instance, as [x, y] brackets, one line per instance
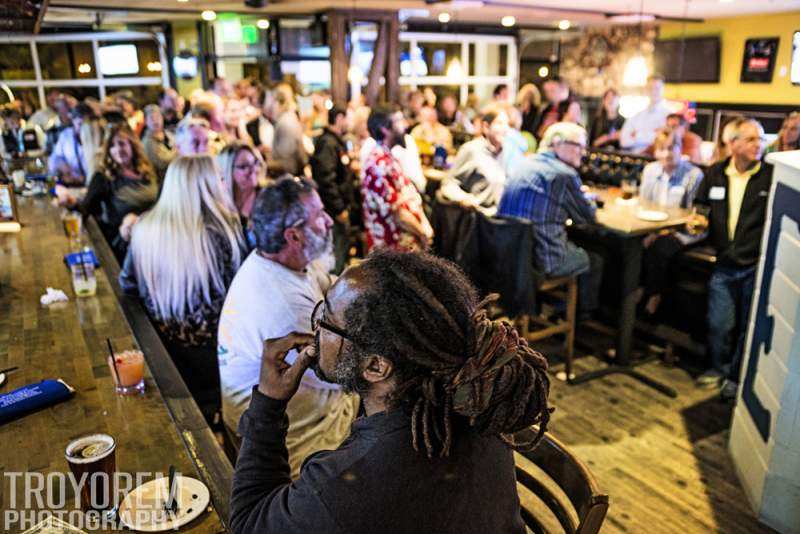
[737, 190]
[330, 167]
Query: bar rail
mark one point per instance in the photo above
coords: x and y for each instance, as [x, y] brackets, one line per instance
[213, 466]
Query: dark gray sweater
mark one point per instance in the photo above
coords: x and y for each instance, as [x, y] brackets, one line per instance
[374, 482]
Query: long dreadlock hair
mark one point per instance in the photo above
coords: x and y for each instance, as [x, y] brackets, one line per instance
[422, 313]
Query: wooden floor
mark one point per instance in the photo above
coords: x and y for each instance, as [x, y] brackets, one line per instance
[663, 462]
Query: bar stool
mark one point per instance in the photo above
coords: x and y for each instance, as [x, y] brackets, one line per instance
[563, 289]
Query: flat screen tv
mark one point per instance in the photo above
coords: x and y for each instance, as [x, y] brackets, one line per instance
[693, 60]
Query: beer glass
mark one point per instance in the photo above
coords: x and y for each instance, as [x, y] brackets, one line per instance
[95, 456]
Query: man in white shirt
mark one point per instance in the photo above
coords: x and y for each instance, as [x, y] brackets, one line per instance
[273, 294]
[639, 131]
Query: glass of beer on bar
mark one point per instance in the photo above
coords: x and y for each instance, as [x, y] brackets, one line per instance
[127, 370]
[72, 224]
[94, 455]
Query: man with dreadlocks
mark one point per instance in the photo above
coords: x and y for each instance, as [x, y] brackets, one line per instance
[447, 393]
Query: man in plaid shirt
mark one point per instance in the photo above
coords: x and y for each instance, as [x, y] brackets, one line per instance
[546, 189]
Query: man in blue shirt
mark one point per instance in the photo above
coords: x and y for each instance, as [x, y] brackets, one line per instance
[546, 189]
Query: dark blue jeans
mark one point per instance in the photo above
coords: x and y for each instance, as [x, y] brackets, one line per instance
[730, 293]
[589, 268]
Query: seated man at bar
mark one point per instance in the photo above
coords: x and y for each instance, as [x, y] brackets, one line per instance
[272, 295]
[68, 160]
[392, 206]
[737, 190]
[670, 181]
[546, 189]
[446, 392]
[477, 176]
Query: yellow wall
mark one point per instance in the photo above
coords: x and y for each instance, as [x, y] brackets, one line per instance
[184, 36]
[733, 33]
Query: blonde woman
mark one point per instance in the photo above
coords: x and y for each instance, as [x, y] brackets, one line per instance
[183, 255]
[529, 99]
[242, 169]
[91, 135]
[123, 186]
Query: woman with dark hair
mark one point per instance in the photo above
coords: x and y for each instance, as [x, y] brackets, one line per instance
[608, 122]
[124, 185]
[447, 392]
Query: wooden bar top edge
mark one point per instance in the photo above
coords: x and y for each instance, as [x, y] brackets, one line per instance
[204, 450]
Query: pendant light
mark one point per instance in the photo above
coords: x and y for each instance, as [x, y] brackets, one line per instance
[636, 70]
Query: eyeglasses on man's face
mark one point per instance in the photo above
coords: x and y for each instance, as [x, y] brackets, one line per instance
[318, 322]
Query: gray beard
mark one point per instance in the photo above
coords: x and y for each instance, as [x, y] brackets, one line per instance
[317, 245]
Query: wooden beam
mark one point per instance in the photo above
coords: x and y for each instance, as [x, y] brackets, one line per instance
[378, 66]
[40, 17]
[393, 61]
[337, 33]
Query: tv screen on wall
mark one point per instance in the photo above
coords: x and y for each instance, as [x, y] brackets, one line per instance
[693, 60]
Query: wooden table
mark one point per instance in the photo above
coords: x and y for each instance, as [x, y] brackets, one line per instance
[67, 341]
[621, 216]
[627, 229]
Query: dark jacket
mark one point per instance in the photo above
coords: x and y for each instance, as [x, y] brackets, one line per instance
[374, 481]
[109, 201]
[744, 249]
[331, 171]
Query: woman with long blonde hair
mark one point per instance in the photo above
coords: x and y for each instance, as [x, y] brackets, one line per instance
[183, 255]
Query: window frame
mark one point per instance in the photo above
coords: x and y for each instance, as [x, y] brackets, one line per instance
[101, 83]
[512, 61]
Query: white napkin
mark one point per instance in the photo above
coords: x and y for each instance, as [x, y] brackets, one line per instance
[53, 295]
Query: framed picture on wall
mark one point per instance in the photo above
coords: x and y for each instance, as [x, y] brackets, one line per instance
[8, 203]
[759, 60]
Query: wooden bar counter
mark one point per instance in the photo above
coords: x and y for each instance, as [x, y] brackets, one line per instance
[68, 341]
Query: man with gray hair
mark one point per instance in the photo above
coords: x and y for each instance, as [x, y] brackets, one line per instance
[274, 294]
[736, 189]
[546, 189]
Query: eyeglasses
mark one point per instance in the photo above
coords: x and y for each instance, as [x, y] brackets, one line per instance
[318, 322]
[247, 166]
[577, 145]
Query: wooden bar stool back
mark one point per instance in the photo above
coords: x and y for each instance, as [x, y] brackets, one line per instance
[586, 502]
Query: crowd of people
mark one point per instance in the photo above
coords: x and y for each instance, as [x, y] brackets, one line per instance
[232, 214]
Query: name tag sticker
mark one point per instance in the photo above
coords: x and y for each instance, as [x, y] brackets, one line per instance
[716, 193]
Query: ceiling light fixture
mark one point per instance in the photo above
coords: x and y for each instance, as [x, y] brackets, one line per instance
[564, 24]
[444, 17]
[636, 70]
[263, 24]
[544, 70]
[208, 15]
[508, 21]
[84, 68]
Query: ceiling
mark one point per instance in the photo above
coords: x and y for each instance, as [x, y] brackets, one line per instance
[20, 15]
[526, 12]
